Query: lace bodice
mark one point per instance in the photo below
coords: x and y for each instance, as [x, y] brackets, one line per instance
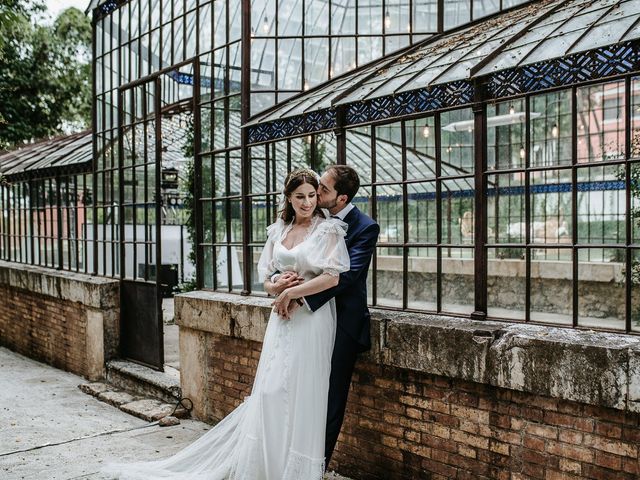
[323, 250]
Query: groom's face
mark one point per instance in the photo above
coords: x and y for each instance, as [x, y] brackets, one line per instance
[327, 196]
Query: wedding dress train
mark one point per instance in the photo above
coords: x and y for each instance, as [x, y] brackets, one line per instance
[278, 432]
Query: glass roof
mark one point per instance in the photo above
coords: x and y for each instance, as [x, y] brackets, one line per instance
[57, 153]
[536, 32]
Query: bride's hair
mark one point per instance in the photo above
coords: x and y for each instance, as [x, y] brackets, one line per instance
[293, 181]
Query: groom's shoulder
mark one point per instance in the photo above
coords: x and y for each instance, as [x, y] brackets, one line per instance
[365, 220]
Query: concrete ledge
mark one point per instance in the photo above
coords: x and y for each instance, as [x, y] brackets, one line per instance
[594, 368]
[91, 291]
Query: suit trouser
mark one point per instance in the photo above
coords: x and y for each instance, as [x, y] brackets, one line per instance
[345, 353]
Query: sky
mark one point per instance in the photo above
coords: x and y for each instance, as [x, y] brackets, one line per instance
[56, 6]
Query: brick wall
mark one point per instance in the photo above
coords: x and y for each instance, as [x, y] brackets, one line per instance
[43, 328]
[68, 320]
[407, 425]
[410, 423]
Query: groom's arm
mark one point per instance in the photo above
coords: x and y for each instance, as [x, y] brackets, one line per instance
[359, 258]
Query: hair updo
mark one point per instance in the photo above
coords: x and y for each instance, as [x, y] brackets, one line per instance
[292, 182]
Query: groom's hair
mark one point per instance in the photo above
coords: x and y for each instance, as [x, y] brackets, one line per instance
[347, 180]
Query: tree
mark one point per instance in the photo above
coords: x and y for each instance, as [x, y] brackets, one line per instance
[45, 73]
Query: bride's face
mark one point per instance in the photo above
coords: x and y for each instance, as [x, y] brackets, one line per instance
[304, 200]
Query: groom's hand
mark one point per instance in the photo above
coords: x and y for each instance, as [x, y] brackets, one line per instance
[293, 306]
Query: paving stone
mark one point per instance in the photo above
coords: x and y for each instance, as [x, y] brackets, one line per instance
[147, 409]
[94, 389]
[117, 397]
[169, 421]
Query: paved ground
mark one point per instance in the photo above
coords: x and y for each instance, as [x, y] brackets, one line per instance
[49, 429]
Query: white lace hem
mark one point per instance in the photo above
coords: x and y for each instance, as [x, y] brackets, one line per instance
[300, 466]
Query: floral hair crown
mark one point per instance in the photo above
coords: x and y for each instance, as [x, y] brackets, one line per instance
[300, 172]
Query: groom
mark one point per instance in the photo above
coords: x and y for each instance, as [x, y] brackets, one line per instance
[338, 186]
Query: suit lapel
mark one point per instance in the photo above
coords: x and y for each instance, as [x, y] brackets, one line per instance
[352, 220]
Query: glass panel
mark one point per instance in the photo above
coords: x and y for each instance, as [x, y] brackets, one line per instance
[343, 18]
[457, 217]
[343, 55]
[260, 219]
[262, 64]
[316, 61]
[389, 277]
[422, 279]
[257, 283]
[506, 283]
[316, 18]
[505, 210]
[389, 152]
[422, 212]
[363, 200]
[421, 148]
[601, 205]
[551, 129]
[506, 135]
[389, 216]
[220, 221]
[635, 202]
[458, 284]
[290, 64]
[601, 291]
[485, 7]
[370, 17]
[601, 122]
[289, 17]
[457, 142]
[228, 266]
[359, 152]
[550, 193]
[396, 17]
[456, 13]
[207, 176]
[551, 286]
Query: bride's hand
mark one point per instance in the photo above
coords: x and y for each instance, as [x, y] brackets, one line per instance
[281, 303]
[287, 280]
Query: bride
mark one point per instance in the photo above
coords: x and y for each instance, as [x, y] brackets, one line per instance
[278, 432]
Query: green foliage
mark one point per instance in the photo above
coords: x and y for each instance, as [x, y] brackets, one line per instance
[45, 73]
[189, 199]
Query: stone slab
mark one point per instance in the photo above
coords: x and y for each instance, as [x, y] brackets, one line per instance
[117, 398]
[595, 368]
[94, 389]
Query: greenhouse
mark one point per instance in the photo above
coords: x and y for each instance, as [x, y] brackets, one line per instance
[498, 143]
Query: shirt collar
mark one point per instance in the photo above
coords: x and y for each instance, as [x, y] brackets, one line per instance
[345, 211]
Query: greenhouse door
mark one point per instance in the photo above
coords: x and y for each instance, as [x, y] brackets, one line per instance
[139, 168]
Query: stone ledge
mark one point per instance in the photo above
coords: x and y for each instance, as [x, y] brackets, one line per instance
[595, 368]
[92, 291]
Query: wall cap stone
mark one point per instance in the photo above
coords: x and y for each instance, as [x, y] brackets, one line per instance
[92, 291]
[596, 368]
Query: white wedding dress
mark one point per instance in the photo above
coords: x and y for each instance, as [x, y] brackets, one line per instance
[278, 432]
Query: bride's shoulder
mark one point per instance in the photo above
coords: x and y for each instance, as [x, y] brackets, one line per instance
[276, 228]
[331, 226]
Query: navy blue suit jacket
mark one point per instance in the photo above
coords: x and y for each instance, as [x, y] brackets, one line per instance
[351, 291]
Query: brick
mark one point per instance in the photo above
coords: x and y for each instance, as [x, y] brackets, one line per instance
[574, 452]
[610, 430]
[570, 466]
[611, 446]
[541, 430]
[607, 460]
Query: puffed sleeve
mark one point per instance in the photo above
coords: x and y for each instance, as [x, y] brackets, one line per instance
[266, 264]
[331, 255]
